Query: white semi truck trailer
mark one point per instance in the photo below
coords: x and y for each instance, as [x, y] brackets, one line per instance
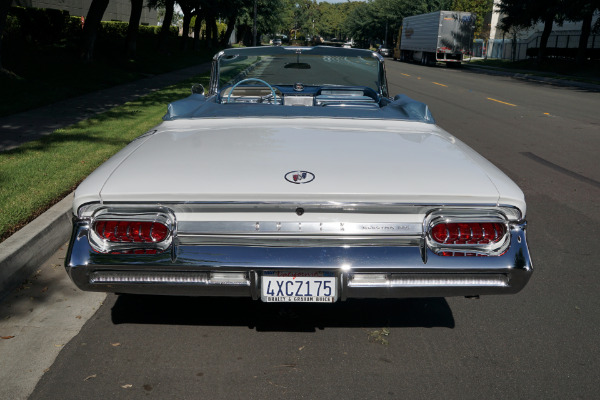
[440, 36]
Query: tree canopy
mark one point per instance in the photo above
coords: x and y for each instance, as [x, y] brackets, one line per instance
[526, 13]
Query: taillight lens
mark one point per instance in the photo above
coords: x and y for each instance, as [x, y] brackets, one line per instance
[131, 231]
[468, 233]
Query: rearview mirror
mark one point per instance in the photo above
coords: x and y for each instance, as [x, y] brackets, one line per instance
[197, 89]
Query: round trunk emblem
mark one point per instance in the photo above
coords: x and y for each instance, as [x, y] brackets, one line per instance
[299, 177]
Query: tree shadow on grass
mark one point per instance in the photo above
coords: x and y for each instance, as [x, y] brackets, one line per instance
[56, 124]
[269, 317]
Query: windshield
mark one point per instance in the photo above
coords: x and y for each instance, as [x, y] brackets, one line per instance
[306, 66]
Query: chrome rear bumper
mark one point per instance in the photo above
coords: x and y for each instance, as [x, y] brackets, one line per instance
[362, 272]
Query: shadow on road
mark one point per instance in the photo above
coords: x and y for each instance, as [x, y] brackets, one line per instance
[535, 80]
[141, 309]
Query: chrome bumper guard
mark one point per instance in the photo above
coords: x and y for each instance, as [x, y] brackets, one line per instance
[362, 272]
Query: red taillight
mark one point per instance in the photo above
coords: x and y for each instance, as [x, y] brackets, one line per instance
[468, 233]
[131, 231]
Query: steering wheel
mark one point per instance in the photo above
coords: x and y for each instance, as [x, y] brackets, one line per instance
[253, 80]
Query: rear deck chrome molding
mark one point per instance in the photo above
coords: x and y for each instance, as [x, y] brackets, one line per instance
[311, 208]
[297, 240]
[305, 227]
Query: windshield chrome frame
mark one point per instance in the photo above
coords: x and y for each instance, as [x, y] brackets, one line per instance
[382, 88]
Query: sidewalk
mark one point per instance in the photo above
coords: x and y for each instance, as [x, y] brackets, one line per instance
[31, 125]
[52, 229]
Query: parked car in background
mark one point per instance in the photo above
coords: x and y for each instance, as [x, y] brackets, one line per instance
[296, 178]
[384, 51]
[277, 42]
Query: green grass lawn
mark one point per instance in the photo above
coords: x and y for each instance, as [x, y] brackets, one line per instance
[38, 174]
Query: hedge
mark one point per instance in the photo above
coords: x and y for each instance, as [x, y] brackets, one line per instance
[43, 26]
[49, 26]
[118, 30]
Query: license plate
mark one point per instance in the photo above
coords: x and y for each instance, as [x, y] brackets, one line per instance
[299, 287]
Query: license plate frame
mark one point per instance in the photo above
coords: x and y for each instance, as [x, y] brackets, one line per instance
[299, 287]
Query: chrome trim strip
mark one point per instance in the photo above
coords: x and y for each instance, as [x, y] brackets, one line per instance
[164, 277]
[295, 228]
[432, 280]
[511, 213]
[297, 240]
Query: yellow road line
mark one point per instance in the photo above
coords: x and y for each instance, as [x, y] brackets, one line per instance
[503, 102]
[435, 83]
[404, 74]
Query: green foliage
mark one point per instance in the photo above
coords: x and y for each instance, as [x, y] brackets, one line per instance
[47, 27]
[116, 30]
[221, 27]
[46, 74]
[332, 22]
[272, 17]
[483, 10]
[42, 26]
[368, 21]
[524, 14]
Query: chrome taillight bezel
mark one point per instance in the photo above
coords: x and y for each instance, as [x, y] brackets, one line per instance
[467, 216]
[161, 215]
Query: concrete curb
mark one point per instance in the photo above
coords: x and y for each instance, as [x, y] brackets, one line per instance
[27, 249]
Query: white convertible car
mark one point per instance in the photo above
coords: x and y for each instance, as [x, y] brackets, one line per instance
[296, 178]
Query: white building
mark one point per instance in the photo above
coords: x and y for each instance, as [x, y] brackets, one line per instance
[500, 44]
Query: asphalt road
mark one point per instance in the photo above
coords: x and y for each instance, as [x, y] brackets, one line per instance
[541, 343]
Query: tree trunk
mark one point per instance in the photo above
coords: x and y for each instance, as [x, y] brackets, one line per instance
[90, 28]
[186, 30]
[215, 31]
[209, 31]
[230, 27]
[513, 49]
[586, 28]
[4, 7]
[197, 27]
[188, 12]
[166, 26]
[548, 22]
[134, 24]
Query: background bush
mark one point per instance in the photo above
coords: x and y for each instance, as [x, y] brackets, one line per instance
[41, 26]
[42, 63]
